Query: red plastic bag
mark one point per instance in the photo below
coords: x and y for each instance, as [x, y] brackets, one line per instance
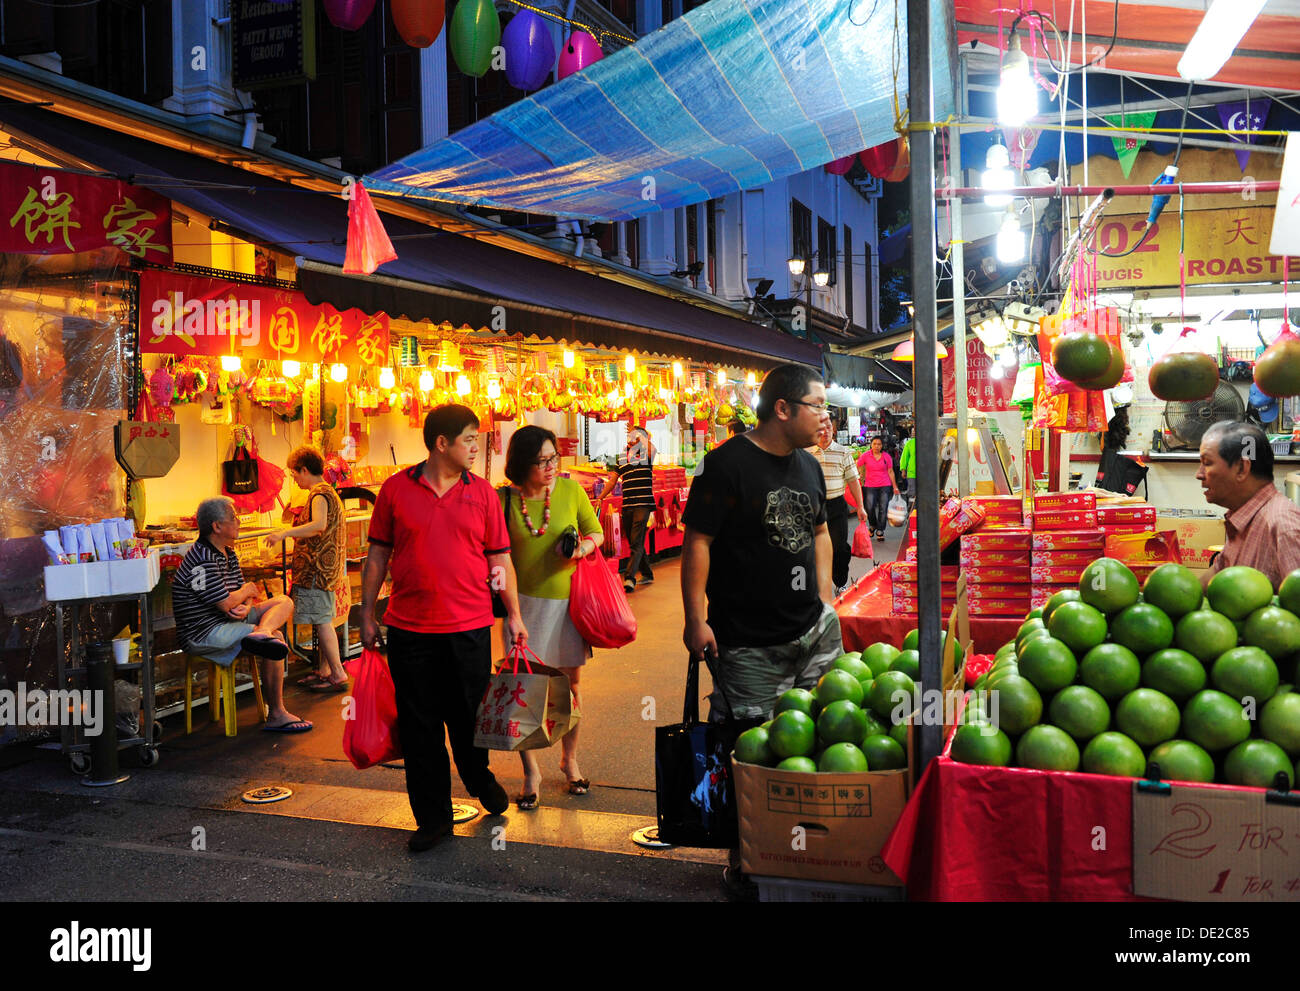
[598, 605]
[862, 541]
[368, 243]
[370, 737]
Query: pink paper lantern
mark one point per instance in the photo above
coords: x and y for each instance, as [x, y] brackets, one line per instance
[840, 165]
[580, 51]
[348, 14]
[530, 53]
[419, 22]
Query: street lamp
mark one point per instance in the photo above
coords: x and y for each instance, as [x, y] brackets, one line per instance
[822, 278]
[796, 265]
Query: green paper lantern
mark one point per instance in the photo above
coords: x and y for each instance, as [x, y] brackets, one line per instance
[409, 352]
[475, 31]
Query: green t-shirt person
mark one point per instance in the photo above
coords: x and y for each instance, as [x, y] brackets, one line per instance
[907, 460]
[540, 572]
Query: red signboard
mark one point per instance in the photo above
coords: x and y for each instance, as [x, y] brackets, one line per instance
[53, 212]
[984, 391]
[188, 314]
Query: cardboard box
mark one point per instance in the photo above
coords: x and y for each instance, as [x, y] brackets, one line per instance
[1199, 537]
[1005, 607]
[1054, 502]
[988, 559]
[1125, 515]
[980, 575]
[1065, 519]
[907, 571]
[1058, 574]
[1062, 559]
[997, 590]
[911, 606]
[1059, 540]
[997, 540]
[1122, 528]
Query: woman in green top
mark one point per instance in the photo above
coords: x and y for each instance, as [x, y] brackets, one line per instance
[539, 507]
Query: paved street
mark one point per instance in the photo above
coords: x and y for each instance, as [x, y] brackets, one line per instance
[342, 834]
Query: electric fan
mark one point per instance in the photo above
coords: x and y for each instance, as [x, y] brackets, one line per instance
[1186, 423]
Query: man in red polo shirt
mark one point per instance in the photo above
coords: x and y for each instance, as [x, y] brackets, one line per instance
[441, 530]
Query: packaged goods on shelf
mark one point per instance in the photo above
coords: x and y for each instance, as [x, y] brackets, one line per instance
[1064, 559]
[1125, 515]
[1093, 538]
[908, 571]
[982, 575]
[998, 558]
[1064, 519]
[997, 540]
[997, 590]
[903, 606]
[1040, 593]
[1017, 606]
[1145, 548]
[1046, 574]
[1122, 528]
[1199, 537]
[1061, 502]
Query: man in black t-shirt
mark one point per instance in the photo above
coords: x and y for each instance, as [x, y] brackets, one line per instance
[756, 557]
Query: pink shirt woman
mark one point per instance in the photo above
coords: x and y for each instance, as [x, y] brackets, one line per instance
[876, 468]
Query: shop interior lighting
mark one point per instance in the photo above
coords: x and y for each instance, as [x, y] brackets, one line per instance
[998, 175]
[426, 381]
[677, 369]
[722, 378]
[1023, 320]
[230, 363]
[1221, 30]
[462, 385]
[339, 372]
[629, 364]
[1010, 357]
[796, 265]
[1017, 97]
[386, 378]
[291, 368]
[996, 371]
[567, 358]
[627, 388]
[751, 379]
[493, 389]
[821, 278]
[990, 328]
[1011, 239]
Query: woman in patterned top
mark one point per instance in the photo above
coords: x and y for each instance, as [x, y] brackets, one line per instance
[319, 557]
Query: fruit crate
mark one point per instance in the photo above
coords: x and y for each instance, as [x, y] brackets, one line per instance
[784, 889]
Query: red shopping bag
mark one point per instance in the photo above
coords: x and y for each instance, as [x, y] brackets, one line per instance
[370, 736]
[598, 605]
[862, 541]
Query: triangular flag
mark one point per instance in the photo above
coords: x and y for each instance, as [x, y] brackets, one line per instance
[1127, 147]
[1244, 116]
[368, 244]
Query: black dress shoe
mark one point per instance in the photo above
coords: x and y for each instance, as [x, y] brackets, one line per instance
[494, 798]
[427, 836]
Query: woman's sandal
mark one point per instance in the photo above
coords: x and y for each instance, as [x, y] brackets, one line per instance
[527, 803]
[310, 681]
[579, 786]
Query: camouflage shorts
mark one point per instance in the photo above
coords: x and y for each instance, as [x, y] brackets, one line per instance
[755, 677]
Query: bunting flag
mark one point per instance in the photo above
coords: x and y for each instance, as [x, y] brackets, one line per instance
[1127, 147]
[1246, 117]
[368, 243]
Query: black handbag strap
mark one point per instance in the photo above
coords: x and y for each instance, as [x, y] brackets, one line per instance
[691, 706]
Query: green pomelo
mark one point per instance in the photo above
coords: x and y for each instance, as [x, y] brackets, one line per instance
[841, 722]
[1060, 598]
[909, 662]
[797, 700]
[1183, 376]
[1049, 664]
[793, 734]
[1205, 634]
[1214, 720]
[1080, 711]
[836, 685]
[1047, 748]
[1111, 669]
[804, 765]
[1279, 721]
[1273, 630]
[891, 690]
[884, 753]
[1079, 625]
[980, 744]
[1238, 591]
[1175, 672]
[1256, 764]
[1108, 585]
[1147, 716]
[878, 657]
[1183, 760]
[1142, 628]
[1078, 357]
[1019, 704]
[1245, 673]
[1174, 589]
[843, 758]
[752, 747]
[1114, 754]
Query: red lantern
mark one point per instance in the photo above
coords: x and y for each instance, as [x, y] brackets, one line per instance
[840, 165]
[890, 161]
[580, 51]
[348, 14]
[419, 22]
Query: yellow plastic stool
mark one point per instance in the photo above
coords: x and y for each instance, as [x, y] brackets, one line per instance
[221, 681]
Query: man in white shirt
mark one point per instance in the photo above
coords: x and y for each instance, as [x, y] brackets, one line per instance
[841, 473]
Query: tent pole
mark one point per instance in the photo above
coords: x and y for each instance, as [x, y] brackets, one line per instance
[924, 373]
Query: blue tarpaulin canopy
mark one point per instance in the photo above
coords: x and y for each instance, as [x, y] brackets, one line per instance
[731, 96]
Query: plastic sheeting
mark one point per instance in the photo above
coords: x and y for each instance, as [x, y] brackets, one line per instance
[731, 96]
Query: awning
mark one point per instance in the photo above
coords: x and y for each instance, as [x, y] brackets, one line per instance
[730, 96]
[857, 372]
[445, 276]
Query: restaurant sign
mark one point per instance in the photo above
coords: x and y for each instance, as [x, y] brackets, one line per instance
[988, 385]
[1218, 246]
[55, 212]
[185, 314]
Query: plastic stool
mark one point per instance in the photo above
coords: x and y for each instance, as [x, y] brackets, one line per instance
[221, 679]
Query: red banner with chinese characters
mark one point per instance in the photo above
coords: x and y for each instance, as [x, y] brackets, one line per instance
[986, 390]
[53, 212]
[189, 314]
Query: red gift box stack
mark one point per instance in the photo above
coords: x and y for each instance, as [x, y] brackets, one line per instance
[1059, 556]
[1001, 512]
[907, 599]
[995, 561]
[1127, 519]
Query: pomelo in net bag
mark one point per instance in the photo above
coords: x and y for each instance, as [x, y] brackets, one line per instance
[1183, 376]
[1277, 370]
[1079, 357]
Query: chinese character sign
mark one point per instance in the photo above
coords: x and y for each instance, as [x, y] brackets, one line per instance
[984, 390]
[53, 212]
[182, 314]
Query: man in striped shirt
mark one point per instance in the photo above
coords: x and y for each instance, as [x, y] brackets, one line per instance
[216, 617]
[841, 473]
[636, 471]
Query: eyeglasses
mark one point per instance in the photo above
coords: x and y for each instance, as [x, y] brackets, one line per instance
[554, 459]
[818, 408]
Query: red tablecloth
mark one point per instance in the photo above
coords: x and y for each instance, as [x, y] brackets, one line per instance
[867, 616]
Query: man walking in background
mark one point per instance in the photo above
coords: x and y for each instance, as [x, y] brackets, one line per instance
[840, 474]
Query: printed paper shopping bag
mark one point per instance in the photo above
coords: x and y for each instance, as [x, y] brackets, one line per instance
[562, 710]
[513, 713]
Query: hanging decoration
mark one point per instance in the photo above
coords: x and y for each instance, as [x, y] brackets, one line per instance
[841, 165]
[349, 15]
[529, 51]
[368, 243]
[890, 161]
[1127, 147]
[1244, 117]
[580, 51]
[408, 354]
[475, 31]
[419, 22]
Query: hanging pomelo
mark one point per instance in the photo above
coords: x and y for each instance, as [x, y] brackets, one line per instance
[1112, 375]
[1080, 357]
[1277, 370]
[1183, 376]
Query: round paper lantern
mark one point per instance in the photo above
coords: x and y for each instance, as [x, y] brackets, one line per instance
[577, 53]
[348, 14]
[419, 22]
[475, 31]
[890, 161]
[840, 165]
[530, 53]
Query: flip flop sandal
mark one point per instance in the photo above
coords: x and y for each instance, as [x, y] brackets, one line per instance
[301, 726]
[327, 687]
[311, 681]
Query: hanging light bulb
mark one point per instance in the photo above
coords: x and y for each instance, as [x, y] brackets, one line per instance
[998, 175]
[494, 389]
[462, 385]
[627, 389]
[568, 358]
[677, 369]
[751, 379]
[339, 372]
[386, 378]
[1010, 357]
[995, 372]
[629, 364]
[796, 266]
[1017, 98]
[722, 377]
[230, 363]
[426, 381]
[291, 368]
[1011, 239]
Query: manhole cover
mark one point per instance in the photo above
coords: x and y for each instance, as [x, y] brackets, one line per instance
[261, 796]
[463, 813]
[648, 837]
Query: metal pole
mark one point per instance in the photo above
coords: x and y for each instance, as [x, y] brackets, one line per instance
[1190, 188]
[924, 372]
[961, 388]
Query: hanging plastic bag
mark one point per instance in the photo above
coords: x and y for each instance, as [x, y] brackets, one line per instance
[897, 512]
[862, 541]
[370, 737]
[598, 605]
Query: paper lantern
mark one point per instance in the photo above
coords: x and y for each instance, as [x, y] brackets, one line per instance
[840, 165]
[419, 22]
[409, 352]
[348, 14]
[475, 31]
[530, 53]
[497, 359]
[890, 161]
[577, 53]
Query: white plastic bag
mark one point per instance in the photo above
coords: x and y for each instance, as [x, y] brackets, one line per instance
[897, 510]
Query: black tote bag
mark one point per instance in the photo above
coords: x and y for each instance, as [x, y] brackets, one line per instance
[240, 473]
[694, 787]
[1118, 473]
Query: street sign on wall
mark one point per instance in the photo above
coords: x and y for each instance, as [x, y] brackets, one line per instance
[272, 44]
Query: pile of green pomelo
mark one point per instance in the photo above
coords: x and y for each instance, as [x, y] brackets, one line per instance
[853, 721]
[1121, 680]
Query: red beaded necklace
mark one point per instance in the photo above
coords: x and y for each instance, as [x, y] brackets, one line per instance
[546, 514]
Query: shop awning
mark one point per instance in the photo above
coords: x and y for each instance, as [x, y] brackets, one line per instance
[443, 276]
[731, 96]
[852, 371]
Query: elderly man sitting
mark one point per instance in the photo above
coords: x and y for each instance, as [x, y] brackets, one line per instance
[215, 616]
